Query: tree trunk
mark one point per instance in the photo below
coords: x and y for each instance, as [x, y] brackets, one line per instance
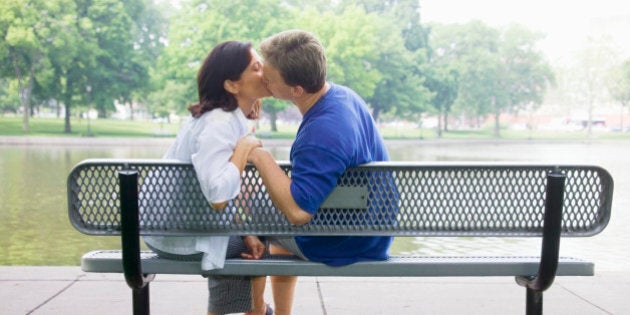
[497, 125]
[375, 114]
[274, 120]
[439, 124]
[68, 104]
[446, 121]
[589, 123]
[25, 95]
[24, 92]
[497, 116]
[623, 106]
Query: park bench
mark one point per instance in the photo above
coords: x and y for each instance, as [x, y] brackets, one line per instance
[446, 199]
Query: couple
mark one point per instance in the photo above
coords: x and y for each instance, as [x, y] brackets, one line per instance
[336, 132]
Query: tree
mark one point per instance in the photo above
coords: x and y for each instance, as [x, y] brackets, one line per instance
[201, 25]
[30, 33]
[619, 86]
[127, 41]
[405, 15]
[471, 52]
[594, 64]
[528, 74]
[9, 97]
[400, 58]
[148, 29]
[442, 80]
[150, 32]
[367, 53]
[274, 106]
[61, 49]
[497, 70]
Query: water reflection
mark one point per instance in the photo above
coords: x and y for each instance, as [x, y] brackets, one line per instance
[36, 230]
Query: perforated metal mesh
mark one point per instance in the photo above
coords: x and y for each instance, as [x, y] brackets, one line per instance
[399, 199]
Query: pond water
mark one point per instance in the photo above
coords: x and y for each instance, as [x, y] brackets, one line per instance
[36, 231]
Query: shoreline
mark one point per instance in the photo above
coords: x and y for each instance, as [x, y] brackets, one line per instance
[166, 141]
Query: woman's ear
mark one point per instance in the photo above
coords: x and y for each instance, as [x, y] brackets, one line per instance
[230, 86]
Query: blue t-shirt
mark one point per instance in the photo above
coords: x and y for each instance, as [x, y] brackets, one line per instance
[336, 133]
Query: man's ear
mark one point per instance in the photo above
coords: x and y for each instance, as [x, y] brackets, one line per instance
[230, 86]
[297, 91]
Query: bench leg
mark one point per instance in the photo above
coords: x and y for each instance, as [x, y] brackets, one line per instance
[141, 300]
[534, 302]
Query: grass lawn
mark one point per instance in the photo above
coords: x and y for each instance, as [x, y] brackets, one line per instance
[98, 127]
[12, 126]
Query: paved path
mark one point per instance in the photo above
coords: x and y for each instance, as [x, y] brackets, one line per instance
[68, 291]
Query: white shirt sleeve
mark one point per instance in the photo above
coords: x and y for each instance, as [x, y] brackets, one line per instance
[219, 178]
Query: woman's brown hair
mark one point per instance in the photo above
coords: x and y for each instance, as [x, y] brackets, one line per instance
[226, 61]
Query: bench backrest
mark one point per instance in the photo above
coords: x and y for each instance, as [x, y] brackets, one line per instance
[388, 198]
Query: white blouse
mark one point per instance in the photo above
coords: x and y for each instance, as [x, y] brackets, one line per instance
[208, 142]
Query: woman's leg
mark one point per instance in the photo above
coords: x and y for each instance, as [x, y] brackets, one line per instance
[258, 296]
[229, 294]
[233, 294]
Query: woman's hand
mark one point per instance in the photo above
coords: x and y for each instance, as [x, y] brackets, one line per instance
[219, 205]
[256, 109]
[255, 246]
[244, 145]
[247, 143]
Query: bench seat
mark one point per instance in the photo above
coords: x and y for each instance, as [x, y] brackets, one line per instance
[110, 261]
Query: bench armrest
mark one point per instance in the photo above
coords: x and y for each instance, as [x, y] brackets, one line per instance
[130, 231]
[552, 225]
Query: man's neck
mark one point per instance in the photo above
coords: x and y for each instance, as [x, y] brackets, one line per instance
[309, 99]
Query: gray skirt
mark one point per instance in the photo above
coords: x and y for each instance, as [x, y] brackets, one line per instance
[227, 294]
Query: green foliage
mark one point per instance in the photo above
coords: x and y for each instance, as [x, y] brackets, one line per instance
[350, 40]
[9, 100]
[142, 51]
[369, 42]
[490, 71]
[197, 28]
[59, 47]
[365, 50]
[619, 84]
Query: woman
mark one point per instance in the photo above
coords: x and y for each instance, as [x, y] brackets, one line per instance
[215, 140]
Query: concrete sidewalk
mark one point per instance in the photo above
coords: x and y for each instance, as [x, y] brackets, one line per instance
[68, 290]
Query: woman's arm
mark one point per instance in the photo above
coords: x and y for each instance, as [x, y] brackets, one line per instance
[239, 159]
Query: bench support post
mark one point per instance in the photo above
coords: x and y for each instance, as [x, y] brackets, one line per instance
[130, 239]
[534, 302]
[550, 252]
[141, 303]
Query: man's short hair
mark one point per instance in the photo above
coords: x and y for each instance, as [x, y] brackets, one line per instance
[299, 57]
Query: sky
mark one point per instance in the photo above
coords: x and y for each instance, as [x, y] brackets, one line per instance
[567, 24]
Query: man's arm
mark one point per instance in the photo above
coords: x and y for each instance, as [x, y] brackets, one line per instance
[278, 185]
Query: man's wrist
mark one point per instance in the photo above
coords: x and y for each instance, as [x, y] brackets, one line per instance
[254, 155]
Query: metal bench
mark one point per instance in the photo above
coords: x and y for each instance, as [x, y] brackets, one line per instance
[132, 198]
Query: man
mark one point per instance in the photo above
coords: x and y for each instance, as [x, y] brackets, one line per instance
[336, 132]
